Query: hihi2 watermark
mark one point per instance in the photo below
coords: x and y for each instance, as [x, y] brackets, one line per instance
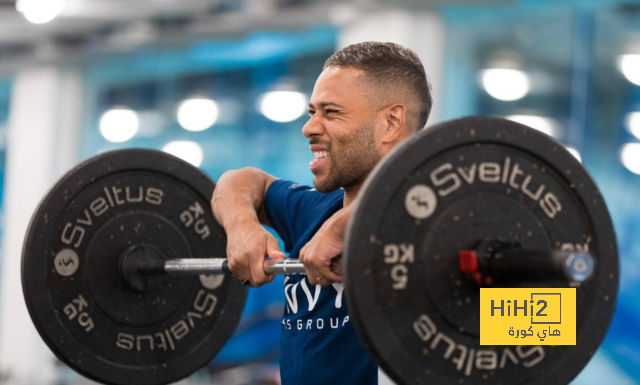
[533, 316]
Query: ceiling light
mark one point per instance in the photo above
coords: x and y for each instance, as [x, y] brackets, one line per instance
[505, 84]
[340, 14]
[540, 123]
[119, 124]
[40, 11]
[197, 114]
[575, 153]
[188, 151]
[283, 106]
[630, 67]
[633, 123]
[630, 157]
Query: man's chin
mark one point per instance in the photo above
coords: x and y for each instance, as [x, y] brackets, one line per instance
[321, 185]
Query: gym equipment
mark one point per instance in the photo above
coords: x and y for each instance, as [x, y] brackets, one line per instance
[124, 272]
[157, 330]
[481, 186]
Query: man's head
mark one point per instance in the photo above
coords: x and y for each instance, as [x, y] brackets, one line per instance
[368, 98]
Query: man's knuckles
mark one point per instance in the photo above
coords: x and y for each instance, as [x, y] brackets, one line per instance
[233, 264]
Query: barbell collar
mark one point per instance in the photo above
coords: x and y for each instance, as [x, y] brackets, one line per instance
[515, 265]
[542, 265]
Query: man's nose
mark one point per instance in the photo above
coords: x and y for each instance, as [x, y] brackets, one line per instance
[312, 128]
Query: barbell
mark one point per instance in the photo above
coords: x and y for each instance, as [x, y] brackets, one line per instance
[123, 265]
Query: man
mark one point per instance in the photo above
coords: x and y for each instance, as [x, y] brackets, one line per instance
[368, 98]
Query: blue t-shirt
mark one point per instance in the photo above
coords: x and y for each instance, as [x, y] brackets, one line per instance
[318, 344]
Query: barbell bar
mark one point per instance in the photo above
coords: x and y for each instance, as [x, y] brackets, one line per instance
[503, 265]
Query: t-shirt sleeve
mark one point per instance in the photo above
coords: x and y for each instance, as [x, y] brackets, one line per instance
[290, 208]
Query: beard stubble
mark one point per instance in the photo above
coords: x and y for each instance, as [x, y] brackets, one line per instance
[350, 166]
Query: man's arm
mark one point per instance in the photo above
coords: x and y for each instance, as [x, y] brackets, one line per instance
[239, 196]
[238, 205]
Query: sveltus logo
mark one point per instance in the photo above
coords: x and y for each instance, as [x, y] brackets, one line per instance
[527, 316]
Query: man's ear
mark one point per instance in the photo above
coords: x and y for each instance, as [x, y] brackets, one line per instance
[396, 115]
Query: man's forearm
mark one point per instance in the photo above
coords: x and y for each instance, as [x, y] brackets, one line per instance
[237, 204]
[239, 196]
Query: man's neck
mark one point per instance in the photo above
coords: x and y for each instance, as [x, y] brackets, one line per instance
[350, 194]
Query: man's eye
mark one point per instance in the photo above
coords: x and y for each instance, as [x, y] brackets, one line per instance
[331, 111]
[310, 112]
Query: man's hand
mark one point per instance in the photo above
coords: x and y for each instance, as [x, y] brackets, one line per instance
[319, 255]
[247, 246]
[238, 205]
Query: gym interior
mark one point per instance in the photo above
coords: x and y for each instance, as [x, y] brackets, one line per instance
[225, 84]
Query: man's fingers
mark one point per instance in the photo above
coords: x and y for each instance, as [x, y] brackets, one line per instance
[238, 269]
[336, 265]
[258, 275]
[312, 275]
[248, 265]
[328, 277]
[302, 255]
[276, 254]
[273, 252]
[322, 276]
[273, 249]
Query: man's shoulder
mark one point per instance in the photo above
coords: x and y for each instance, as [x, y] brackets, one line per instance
[298, 199]
[289, 187]
[295, 210]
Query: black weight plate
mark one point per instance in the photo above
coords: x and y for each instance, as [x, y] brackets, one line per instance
[76, 295]
[442, 191]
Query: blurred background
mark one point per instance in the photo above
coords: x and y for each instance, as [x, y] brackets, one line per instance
[224, 84]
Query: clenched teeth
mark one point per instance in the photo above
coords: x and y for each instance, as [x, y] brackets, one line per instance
[320, 154]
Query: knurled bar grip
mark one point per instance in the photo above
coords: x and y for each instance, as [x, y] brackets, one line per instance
[207, 266]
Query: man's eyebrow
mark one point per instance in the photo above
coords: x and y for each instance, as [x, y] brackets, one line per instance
[325, 104]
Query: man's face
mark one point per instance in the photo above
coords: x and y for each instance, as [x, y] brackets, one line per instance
[341, 129]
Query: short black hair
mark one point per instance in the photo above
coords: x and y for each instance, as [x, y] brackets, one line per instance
[389, 66]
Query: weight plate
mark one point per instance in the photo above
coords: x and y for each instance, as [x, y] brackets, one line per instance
[442, 191]
[83, 308]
